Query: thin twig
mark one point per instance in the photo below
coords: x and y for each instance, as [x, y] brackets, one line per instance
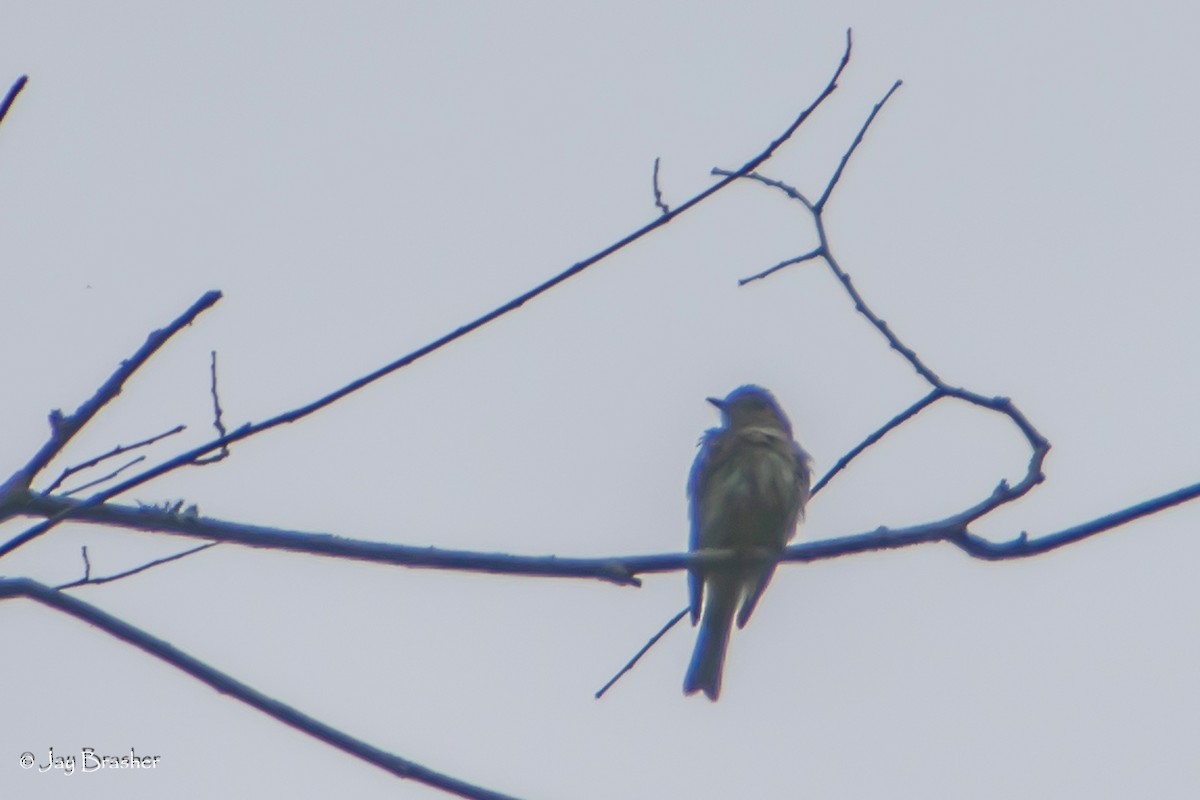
[787, 262]
[87, 580]
[837, 175]
[116, 451]
[638, 656]
[658, 198]
[104, 478]
[890, 425]
[218, 423]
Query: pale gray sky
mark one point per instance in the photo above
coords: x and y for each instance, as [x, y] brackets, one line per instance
[359, 179]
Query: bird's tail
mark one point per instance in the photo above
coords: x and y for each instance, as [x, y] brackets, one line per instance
[708, 659]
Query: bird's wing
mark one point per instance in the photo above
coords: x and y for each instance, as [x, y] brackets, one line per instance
[804, 472]
[706, 461]
[783, 445]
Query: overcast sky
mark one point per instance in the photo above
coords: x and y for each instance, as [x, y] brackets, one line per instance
[359, 179]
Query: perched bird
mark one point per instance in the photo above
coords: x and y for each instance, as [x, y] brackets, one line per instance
[746, 492]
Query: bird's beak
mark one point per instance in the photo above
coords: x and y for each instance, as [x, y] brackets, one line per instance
[716, 402]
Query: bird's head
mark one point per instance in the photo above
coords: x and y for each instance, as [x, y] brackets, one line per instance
[751, 406]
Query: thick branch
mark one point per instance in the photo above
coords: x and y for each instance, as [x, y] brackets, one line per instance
[323, 544]
[225, 684]
[615, 569]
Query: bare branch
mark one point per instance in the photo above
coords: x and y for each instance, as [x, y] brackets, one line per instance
[787, 262]
[820, 204]
[954, 531]
[1039, 445]
[950, 530]
[228, 685]
[218, 423]
[87, 579]
[621, 570]
[104, 478]
[658, 198]
[116, 451]
[890, 425]
[63, 428]
[638, 656]
[191, 456]
[166, 518]
[9, 98]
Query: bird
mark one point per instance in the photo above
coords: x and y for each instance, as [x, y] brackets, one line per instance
[746, 492]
